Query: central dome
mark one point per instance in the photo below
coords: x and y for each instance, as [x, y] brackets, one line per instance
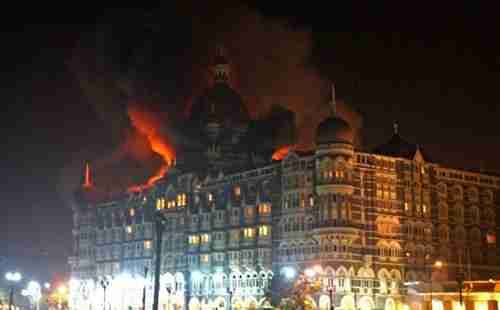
[334, 130]
[220, 104]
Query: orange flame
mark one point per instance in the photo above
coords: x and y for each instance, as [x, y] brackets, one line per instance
[88, 181]
[281, 153]
[148, 124]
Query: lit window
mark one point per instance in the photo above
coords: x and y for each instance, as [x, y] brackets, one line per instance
[132, 212]
[129, 229]
[204, 238]
[237, 191]
[264, 208]
[204, 258]
[424, 208]
[210, 197]
[147, 244]
[249, 212]
[264, 231]
[249, 232]
[160, 203]
[407, 207]
[302, 200]
[491, 238]
[194, 239]
[393, 194]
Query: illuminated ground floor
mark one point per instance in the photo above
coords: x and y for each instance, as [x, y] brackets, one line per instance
[255, 290]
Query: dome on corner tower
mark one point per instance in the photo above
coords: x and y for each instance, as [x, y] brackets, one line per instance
[334, 129]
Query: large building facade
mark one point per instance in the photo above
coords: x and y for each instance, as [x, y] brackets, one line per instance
[239, 225]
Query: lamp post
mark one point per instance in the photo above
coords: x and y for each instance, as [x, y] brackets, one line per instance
[144, 289]
[331, 290]
[104, 284]
[61, 290]
[159, 227]
[34, 291]
[13, 277]
[437, 264]
[230, 297]
[169, 291]
[460, 280]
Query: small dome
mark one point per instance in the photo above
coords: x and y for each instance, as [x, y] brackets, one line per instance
[334, 129]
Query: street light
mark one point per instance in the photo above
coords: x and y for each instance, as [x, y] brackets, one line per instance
[331, 290]
[47, 285]
[169, 291]
[61, 290]
[310, 273]
[13, 277]
[104, 284]
[34, 291]
[437, 264]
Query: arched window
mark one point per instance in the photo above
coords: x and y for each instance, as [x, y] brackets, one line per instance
[456, 193]
[459, 213]
[474, 215]
[460, 234]
[442, 190]
[443, 211]
[443, 233]
[487, 196]
[475, 236]
[472, 194]
[489, 217]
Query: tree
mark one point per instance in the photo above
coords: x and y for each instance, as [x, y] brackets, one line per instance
[298, 296]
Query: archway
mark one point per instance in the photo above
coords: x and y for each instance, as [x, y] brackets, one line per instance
[177, 301]
[194, 304]
[347, 303]
[219, 303]
[324, 302]
[437, 305]
[310, 301]
[237, 304]
[251, 304]
[390, 304]
[366, 303]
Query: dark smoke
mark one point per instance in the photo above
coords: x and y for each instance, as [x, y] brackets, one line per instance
[133, 58]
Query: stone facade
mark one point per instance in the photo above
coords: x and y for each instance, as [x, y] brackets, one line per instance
[237, 224]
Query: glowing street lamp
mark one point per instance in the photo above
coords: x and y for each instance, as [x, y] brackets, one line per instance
[289, 272]
[438, 264]
[310, 273]
[318, 269]
[13, 277]
[34, 292]
[47, 285]
[62, 289]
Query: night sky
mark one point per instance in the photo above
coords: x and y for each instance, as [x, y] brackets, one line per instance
[66, 87]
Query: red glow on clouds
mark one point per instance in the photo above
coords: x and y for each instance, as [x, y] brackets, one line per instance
[149, 125]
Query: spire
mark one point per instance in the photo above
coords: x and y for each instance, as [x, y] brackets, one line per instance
[221, 65]
[88, 181]
[395, 126]
[333, 103]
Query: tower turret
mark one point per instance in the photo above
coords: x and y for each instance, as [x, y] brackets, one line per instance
[334, 164]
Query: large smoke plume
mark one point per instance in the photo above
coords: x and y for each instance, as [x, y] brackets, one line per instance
[133, 61]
